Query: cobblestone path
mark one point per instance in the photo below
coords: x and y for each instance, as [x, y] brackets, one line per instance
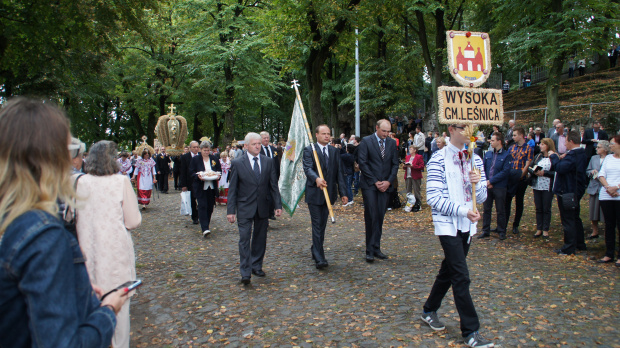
[525, 295]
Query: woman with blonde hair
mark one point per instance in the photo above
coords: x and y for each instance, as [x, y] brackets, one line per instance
[107, 208]
[45, 293]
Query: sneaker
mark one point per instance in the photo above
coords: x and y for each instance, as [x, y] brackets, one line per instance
[476, 340]
[206, 233]
[433, 321]
[388, 209]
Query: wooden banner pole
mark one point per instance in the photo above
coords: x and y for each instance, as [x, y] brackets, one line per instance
[316, 157]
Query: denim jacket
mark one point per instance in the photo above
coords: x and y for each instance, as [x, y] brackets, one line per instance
[46, 298]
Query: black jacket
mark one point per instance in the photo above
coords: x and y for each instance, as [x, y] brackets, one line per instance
[334, 175]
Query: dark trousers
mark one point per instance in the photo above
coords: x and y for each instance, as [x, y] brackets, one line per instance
[175, 175]
[318, 215]
[162, 181]
[542, 201]
[454, 273]
[252, 244]
[611, 212]
[356, 182]
[205, 208]
[497, 195]
[375, 205]
[519, 196]
[349, 181]
[574, 237]
[194, 207]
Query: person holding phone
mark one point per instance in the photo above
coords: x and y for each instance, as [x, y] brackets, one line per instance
[46, 297]
[107, 209]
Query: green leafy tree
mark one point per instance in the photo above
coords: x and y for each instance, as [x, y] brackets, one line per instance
[548, 32]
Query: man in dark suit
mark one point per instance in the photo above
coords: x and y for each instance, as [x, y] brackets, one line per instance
[185, 177]
[571, 180]
[333, 174]
[591, 138]
[253, 183]
[271, 152]
[163, 170]
[176, 170]
[377, 158]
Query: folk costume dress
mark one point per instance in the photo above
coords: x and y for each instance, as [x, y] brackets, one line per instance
[125, 167]
[223, 184]
[145, 172]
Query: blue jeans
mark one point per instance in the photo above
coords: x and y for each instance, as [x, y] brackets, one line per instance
[356, 182]
[349, 181]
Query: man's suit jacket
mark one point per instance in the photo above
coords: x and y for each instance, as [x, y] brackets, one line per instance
[588, 136]
[176, 160]
[197, 165]
[163, 164]
[248, 196]
[334, 175]
[275, 154]
[570, 172]
[185, 176]
[373, 167]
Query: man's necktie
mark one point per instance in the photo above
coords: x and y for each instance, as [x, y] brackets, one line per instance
[382, 147]
[325, 155]
[256, 169]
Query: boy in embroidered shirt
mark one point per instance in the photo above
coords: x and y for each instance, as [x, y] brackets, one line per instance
[449, 192]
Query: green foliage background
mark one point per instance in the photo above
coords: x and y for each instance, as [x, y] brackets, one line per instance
[116, 65]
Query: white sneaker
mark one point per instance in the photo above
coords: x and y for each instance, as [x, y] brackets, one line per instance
[206, 233]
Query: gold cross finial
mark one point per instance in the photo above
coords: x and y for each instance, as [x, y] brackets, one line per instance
[172, 108]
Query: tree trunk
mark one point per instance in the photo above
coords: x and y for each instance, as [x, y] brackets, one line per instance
[319, 52]
[151, 123]
[196, 134]
[553, 88]
[218, 125]
[229, 114]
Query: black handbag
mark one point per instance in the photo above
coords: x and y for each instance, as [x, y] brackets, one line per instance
[569, 201]
[70, 219]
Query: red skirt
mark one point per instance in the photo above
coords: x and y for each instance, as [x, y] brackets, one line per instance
[144, 196]
[223, 197]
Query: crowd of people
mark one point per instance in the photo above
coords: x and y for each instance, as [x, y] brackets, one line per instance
[84, 205]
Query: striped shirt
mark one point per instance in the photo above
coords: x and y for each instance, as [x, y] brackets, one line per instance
[438, 197]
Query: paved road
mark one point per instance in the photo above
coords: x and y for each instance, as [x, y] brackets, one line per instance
[192, 297]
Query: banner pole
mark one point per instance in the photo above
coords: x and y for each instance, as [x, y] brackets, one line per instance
[316, 157]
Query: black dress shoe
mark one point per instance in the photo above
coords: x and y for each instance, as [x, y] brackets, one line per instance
[515, 230]
[258, 273]
[195, 222]
[502, 236]
[321, 265]
[592, 237]
[381, 255]
[273, 217]
[370, 258]
[245, 280]
[561, 252]
[484, 235]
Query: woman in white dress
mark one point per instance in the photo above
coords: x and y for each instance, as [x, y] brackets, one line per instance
[107, 210]
[144, 176]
